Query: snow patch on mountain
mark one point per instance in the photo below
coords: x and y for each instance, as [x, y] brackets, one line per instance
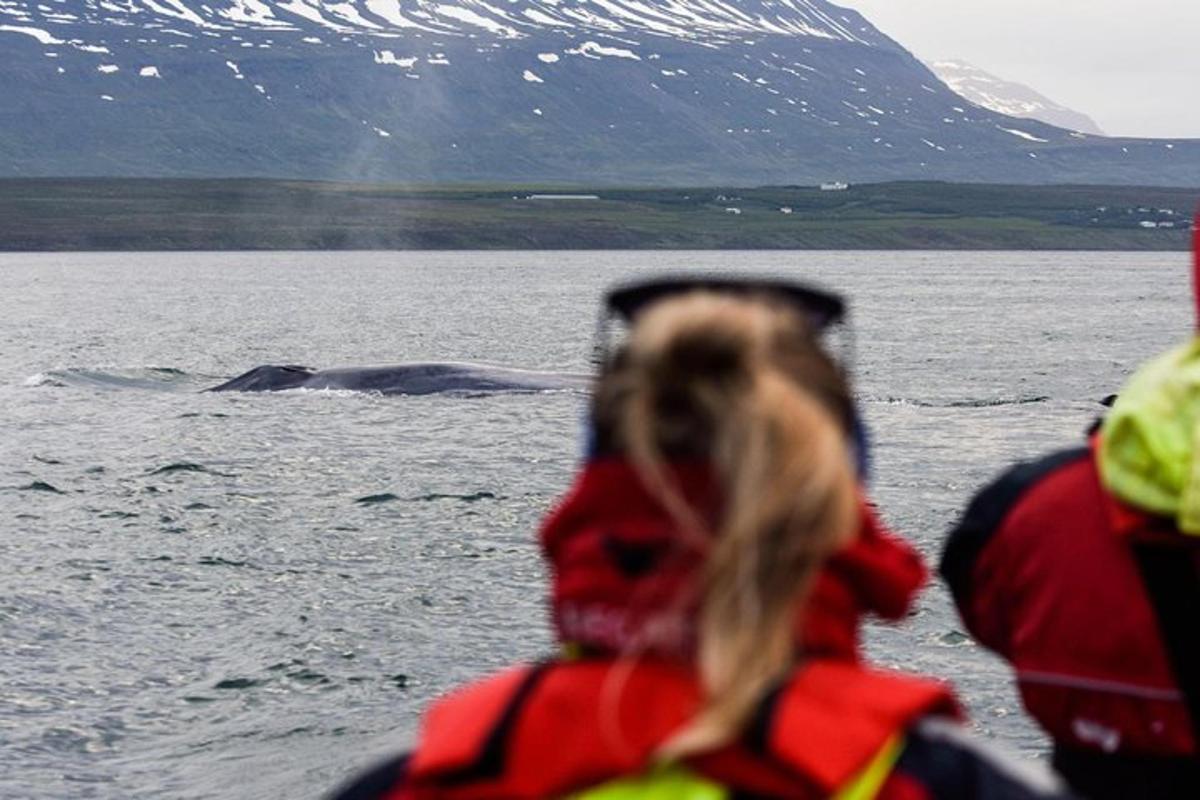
[388, 57]
[253, 12]
[590, 49]
[37, 33]
[1029, 137]
[469, 17]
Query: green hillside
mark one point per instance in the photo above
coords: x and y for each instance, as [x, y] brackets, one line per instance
[102, 214]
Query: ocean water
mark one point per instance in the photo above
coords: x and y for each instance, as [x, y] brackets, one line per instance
[235, 595]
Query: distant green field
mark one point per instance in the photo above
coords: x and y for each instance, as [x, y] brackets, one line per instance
[101, 214]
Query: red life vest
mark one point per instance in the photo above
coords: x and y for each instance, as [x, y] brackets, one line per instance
[1043, 570]
[544, 732]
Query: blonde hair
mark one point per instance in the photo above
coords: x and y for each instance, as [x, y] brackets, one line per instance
[718, 377]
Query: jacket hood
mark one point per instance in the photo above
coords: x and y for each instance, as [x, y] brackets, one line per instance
[624, 576]
[1149, 453]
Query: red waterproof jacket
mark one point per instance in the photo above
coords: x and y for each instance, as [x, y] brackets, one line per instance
[1050, 572]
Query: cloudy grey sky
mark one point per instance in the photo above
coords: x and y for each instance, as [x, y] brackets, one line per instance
[1132, 67]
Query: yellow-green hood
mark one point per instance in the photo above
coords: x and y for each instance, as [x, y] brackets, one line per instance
[1150, 442]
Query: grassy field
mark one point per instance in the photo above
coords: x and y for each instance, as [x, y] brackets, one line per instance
[101, 214]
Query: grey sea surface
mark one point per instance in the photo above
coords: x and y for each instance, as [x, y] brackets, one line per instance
[254, 595]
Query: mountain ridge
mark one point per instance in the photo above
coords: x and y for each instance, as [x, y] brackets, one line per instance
[598, 92]
[1010, 97]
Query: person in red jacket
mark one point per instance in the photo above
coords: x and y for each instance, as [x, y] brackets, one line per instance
[710, 568]
[1082, 569]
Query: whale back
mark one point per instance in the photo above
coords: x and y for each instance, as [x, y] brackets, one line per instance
[267, 378]
[405, 379]
[440, 377]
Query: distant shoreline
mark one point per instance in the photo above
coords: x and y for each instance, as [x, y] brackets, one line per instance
[96, 214]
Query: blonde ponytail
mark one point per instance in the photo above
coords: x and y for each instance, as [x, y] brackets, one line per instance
[702, 376]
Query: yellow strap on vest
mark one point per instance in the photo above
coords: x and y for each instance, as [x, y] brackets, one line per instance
[866, 785]
[676, 783]
[671, 783]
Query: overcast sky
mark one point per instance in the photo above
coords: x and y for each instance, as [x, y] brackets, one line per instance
[1134, 67]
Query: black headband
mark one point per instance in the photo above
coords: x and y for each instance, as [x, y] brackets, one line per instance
[820, 308]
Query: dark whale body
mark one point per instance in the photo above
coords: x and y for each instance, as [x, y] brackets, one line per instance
[409, 379]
